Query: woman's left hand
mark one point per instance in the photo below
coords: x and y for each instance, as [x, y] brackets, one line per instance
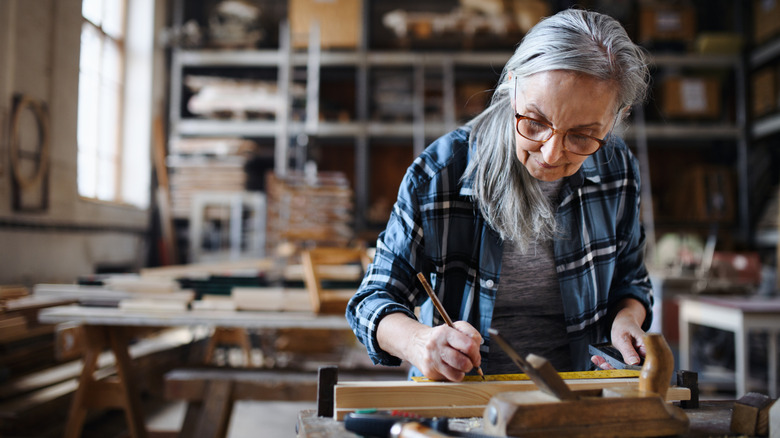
[627, 334]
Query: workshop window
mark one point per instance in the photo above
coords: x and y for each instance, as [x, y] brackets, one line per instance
[114, 92]
[101, 84]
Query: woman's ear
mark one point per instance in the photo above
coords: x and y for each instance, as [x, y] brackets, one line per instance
[624, 113]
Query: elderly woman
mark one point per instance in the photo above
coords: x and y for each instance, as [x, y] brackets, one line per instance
[525, 220]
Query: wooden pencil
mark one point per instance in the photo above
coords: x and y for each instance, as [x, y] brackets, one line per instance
[437, 304]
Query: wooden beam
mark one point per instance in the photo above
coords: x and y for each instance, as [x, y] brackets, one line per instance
[192, 384]
[453, 399]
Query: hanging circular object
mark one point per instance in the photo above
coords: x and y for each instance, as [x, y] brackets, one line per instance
[22, 103]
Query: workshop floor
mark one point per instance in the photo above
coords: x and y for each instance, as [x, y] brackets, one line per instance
[249, 419]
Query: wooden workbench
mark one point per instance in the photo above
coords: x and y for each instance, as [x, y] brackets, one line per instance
[112, 328]
[711, 419]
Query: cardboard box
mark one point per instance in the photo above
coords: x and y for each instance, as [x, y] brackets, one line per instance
[690, 97]
[766, 20]
[706, 193]
[723, 43]
[765, 93]
[340, 22]
[664, 22]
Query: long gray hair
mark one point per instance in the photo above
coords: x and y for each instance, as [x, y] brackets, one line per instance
[580, 41]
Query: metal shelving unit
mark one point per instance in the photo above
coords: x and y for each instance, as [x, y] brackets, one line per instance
[696, 131]
[765, 127]
[768, 125]
[361, 130]
[272, 58]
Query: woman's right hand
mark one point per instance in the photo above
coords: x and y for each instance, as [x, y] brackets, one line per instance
[440, 353]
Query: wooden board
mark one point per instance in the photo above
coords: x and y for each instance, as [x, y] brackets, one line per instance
[204, 270]
[214, 318]
[751, 414]
[453, 399]
[34, 303]
[12, 291]
[191, 384]
[152, 305]
[87, 293]
[341, 272]
[214, 302]
[278, 299]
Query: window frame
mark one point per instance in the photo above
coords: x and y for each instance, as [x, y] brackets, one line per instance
[116, 197]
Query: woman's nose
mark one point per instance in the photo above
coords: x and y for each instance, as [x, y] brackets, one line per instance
[552, 149]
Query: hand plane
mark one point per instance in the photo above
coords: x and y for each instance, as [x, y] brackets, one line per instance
[556, 410]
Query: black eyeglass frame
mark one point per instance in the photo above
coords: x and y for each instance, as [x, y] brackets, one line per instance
[553, 131]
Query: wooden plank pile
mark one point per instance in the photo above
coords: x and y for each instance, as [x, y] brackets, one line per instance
[203, 174]
[305, 211]
[24, 343]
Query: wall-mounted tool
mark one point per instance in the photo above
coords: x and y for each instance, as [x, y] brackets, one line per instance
[30, 192]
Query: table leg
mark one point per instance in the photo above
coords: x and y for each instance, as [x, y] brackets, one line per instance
[772, 352]
[685, 338]
[216, 410]
[130, 397]
[78, 408]
[741, 371]
[106, 393]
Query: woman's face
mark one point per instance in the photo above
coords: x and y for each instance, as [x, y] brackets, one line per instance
[567, 101]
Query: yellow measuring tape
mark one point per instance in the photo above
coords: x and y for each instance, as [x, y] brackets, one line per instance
[568, 375]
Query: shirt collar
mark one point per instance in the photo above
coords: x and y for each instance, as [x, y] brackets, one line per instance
[589, 171]
[467, 188]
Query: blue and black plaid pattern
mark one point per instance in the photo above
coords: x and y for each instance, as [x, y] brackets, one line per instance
[435, 228]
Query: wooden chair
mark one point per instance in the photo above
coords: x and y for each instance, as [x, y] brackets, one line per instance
[335, 264]
[229, 336]
[320, 266]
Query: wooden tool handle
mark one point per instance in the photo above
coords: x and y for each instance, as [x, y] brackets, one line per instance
[414, 430]
[656, 374]
[434, 299]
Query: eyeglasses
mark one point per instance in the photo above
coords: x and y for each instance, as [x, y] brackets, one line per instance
[574, 142]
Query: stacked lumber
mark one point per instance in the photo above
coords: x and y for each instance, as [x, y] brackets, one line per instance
[203, 174]
[309, 211]
[218, 146]
[206, 269]
[25, 344]
[11, 292]
[106, 295]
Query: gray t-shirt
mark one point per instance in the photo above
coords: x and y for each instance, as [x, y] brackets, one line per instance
[529, 309]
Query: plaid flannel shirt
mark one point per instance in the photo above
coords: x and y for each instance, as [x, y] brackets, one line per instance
[436, 228]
